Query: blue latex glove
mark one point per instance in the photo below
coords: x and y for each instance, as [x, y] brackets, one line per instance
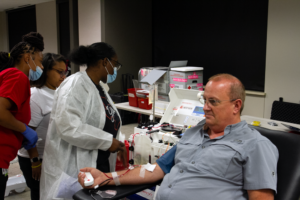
[31, 137]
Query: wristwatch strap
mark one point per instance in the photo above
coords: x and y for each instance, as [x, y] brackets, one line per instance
[35, 159]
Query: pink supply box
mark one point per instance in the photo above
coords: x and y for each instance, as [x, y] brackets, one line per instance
[187, 78]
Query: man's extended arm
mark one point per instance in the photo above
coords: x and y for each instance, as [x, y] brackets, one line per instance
[131, 178]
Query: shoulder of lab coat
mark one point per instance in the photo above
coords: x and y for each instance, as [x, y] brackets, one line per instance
[105, 86]
[75, 99]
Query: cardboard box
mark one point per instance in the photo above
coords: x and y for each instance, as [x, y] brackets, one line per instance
[190, 78]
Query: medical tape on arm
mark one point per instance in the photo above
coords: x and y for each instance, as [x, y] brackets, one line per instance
[116, 178]
[142, 171]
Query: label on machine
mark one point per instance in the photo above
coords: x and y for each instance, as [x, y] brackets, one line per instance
[187, 113]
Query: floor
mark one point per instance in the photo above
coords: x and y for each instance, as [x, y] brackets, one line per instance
[14, 169]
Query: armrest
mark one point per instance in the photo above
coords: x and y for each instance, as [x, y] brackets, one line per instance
[122, 191]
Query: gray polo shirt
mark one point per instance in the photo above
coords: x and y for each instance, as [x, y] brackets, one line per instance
[221, 168]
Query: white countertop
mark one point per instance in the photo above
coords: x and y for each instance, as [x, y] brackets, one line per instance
[264, 123]
[126, 106]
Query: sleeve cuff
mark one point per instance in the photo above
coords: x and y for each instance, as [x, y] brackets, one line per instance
[260, 186]
[165, 169]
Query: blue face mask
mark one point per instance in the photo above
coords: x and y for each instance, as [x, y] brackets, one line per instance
[111, 78]
[35, 75]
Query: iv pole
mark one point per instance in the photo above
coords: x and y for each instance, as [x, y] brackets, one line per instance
[153, 104]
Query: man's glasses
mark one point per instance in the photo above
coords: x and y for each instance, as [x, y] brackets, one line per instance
[213, 102]
[62, 73]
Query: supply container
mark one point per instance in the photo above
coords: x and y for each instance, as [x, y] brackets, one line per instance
[190, 78]
[132, 98]
[16, 183]
[143, 99]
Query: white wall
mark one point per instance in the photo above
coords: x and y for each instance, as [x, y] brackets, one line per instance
[283, 53]
[46, 22]
[46, 25]
[254, 105]
[3, 32]
[89, 21]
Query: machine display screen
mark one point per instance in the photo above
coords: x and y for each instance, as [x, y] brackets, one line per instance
[198, 111]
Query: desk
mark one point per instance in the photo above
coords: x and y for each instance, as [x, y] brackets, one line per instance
[126, 106]
[264, 123]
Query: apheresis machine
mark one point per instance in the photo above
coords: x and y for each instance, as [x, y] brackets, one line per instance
[148, 143]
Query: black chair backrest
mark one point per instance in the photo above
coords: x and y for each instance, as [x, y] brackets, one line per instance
[285, 111]
[288, 168]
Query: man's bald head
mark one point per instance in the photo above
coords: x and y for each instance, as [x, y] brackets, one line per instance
[236, 90]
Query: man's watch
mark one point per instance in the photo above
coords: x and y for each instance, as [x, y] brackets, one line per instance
[35, 159]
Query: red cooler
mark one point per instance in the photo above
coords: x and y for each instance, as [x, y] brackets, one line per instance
[143, 99]
[132, 98]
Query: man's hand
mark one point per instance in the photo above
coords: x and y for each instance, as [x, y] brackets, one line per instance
[98, 176]
[36, 171]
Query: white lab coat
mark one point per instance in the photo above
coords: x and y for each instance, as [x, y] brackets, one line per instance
[75, 132]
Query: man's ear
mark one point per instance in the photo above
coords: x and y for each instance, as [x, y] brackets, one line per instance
[237, 106]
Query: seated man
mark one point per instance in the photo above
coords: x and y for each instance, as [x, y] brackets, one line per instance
[220, 158]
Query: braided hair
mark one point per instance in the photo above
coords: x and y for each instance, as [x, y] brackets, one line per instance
[31, 43]
[90, 55]
[49, 60]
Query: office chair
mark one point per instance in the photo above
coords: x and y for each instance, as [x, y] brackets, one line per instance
[285, 111]
[288, 169]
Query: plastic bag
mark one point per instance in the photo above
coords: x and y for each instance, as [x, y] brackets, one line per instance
[107, 193]
[158, 150]
[68, 187]
[142, 149]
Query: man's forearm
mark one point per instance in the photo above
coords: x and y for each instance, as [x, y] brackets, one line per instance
[133, 177]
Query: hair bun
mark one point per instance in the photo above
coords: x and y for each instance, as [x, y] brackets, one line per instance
[80, 55]
[90, 55]
[35, 40]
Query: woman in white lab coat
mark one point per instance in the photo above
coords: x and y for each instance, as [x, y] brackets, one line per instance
[84, 124]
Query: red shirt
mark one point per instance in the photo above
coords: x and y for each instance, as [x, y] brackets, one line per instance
[14, 85]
